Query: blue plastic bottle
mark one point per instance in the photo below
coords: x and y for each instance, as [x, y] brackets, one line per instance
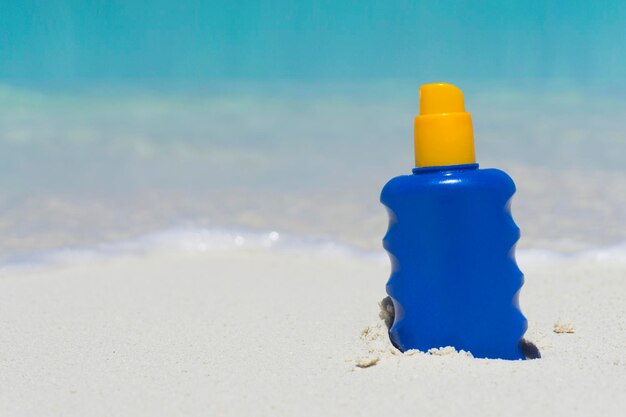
[451, 241]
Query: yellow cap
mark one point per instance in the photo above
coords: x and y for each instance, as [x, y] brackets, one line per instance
[443, 129]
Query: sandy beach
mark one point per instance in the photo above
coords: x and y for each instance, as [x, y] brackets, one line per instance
[255, 331]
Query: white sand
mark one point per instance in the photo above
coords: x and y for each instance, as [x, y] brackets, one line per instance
[276, 333]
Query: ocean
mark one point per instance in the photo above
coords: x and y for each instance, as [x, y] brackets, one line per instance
[91, 168]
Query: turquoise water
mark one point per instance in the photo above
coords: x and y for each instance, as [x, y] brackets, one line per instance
[71, 42]
[119, 121]
[79, 169]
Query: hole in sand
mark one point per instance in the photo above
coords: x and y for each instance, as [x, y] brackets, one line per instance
[386, 312]
[529, 349]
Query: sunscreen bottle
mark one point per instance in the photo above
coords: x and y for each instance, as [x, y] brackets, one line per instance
[451, 241]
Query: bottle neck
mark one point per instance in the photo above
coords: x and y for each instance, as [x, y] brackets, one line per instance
[423, 170]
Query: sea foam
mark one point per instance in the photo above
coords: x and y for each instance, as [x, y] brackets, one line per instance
[190, 240]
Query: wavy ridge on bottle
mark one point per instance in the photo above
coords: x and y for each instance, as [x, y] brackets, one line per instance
[388, 243]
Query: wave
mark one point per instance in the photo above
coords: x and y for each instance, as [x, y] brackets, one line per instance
[206, 240]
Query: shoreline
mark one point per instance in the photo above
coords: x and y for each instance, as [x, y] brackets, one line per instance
[199, 240]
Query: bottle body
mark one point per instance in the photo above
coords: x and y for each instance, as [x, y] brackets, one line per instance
[454, 280]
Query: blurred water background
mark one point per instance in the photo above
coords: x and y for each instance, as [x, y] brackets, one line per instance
[120, 119]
